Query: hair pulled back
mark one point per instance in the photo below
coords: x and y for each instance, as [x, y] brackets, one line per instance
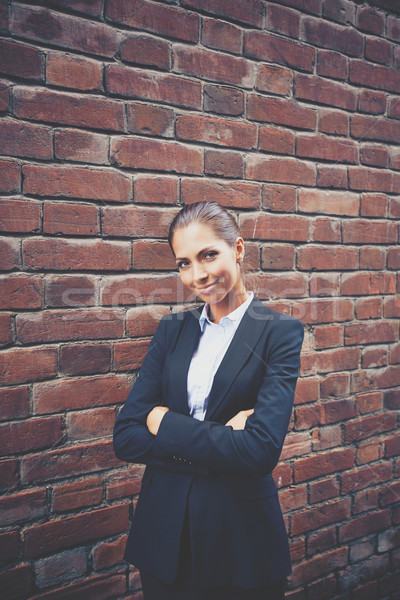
[208, 213]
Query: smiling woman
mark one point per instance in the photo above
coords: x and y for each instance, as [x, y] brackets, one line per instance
[208, 415]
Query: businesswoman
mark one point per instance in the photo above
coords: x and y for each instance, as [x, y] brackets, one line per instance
[208, 415]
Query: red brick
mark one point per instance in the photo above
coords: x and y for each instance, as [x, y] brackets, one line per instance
[150, 120]
[156, 155]
[372, 257]
[331, 64]
[223, 164]
[65, 31]
[320, 565]
[325, 148]
[65, 109]
[17, 582]
[229, 194]
[380, 51]
[146, 51]
[143, 321]
[62, 394]
[393, 260]
[66, 533]
[394, 155]
[85, 359]
[323, 311]
[49, 254]
[81, 146]
[390, 494]
[4, 16]
[95, 588]
[325, 361]
[268, 227]
[52, 326]
[374, 357]
[373, 205]
[393, 26]
[4, 97]
[281, 112]
[78, 494]
[323, 258]
[335, 385]
[328, 336]
[223, 100]
[71, 291]
[126, 483]
[91, 424]
[23, 506]
[370, 333]
[323, 464]
[274, 80]
[331, 176]
[276, 140]
[9, 471]
[392, 446]
[27, 141]
[77, 182]
[361, 526]
[251, 13]
[391, 307]
[296, 444]
[9, 176]
[333, 121]
[271, 48]
[87, 7]
[19, 60]
[370, 20]
[314, 89]
[342, 11]
[372, 180]
[129, 356]
[368, 425]
[68, 462]
[74, 72]
[373, 128]
[280, 170]
[372, 102]
[394, 108]
[375, 155]
[290, 501]
[324, 489]
[155, 189]
[308, 416]
[221, 36]
[368, 308]
[279, 198]
[283, 20]
[9, 546]
[375, 76]
[70, 219]
[277, 257]
[28, 364]
[285, 285]
[314, 518]
[371, 402]
[368, 451]
[30, 434]
[6, 329]
[324, 284]
[332, 36]
[135, 289]
[216, 131]
[58, 569]
[213, 66]
[109, 554]
[157, 87]
[20, 291]
[14, 403]
[20, 216]
[134, 221]
[325, 230]
[370, 379]
[166, 21]
[366, 231]
[334, 203]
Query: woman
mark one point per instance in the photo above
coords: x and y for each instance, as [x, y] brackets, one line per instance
[208, 415]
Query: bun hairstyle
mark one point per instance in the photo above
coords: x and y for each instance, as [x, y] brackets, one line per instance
[208, 213]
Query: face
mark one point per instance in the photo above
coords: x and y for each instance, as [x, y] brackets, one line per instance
[208, 266]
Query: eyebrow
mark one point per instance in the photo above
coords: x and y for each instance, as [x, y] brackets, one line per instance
[198, 254]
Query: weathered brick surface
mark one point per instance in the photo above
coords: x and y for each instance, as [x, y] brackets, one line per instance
[113, 116]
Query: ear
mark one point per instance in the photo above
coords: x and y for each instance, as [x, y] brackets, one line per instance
[239, 249]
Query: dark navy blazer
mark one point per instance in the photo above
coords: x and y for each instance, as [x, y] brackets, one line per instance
[220, 475]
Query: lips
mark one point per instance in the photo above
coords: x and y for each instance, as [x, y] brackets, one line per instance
[207, 288]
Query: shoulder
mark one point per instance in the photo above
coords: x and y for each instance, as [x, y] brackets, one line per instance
[278, 323]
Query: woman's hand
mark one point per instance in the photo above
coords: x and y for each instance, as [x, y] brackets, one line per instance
[155, 417]
[239, 420]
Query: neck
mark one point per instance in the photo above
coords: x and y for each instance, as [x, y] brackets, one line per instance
[231, 302]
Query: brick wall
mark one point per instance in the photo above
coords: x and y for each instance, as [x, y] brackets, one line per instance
[115, 113]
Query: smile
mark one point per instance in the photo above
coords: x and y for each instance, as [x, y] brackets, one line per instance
[207, 288]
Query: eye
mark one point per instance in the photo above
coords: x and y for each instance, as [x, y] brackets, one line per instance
[182, 264]
[210, 254]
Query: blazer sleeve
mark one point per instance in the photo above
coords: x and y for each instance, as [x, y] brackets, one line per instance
[256, 448]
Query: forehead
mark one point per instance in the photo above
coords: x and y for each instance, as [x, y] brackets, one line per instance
[194, 237]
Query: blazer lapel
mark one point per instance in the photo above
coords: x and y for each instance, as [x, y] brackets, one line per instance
[182, 356]
[253, 323]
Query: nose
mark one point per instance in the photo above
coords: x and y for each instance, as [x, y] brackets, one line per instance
[199, 273]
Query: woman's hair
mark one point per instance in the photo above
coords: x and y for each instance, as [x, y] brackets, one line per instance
[207, 213]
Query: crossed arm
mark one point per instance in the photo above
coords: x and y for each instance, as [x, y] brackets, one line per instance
[156, 414]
